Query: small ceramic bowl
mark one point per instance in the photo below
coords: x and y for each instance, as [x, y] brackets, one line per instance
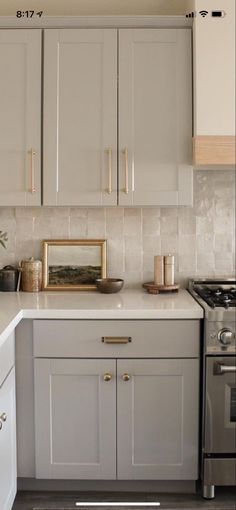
[109, 285]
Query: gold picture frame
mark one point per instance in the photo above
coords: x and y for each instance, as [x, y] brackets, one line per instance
[73, 264]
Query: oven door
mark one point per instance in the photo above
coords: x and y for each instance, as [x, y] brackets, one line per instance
[220, 405]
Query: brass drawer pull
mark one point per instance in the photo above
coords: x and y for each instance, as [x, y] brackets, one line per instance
[116, 339]
[126, 377]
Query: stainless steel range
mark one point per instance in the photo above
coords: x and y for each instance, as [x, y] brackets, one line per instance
[218, 452]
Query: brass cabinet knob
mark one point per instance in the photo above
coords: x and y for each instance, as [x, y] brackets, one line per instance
[107, 377]
[0, 425]
[126, 377]
[3, 417]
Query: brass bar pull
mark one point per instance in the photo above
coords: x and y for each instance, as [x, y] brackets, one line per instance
[107, 377]
[32, 169]
[126, 377]
[116, 339]
[109, 152]
[126, 190]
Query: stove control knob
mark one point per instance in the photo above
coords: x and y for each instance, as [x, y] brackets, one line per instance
[225, 336]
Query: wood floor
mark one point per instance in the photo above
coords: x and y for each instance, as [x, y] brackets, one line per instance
[224, 500]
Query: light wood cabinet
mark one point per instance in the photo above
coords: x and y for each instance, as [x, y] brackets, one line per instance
[150, 161]
[140, 423]
[20, 117]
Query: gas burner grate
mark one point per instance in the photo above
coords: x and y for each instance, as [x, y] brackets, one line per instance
[217, 297]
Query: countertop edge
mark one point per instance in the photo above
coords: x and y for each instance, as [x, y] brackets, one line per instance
[19, 310]
[11, 326]
[112, 314]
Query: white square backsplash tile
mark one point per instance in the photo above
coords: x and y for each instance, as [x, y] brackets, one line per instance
[169, 225]
[133, 222]
[202, 237]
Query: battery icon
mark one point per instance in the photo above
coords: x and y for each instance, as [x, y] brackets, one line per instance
[218, 14]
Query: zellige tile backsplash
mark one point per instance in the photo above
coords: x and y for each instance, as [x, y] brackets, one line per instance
[201, 238]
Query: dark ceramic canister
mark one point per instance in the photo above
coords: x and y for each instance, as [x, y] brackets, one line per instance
[8, 279]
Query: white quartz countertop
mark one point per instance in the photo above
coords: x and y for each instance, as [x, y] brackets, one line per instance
[127, 304]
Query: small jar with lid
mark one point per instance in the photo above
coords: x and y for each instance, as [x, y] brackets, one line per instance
[31, 275]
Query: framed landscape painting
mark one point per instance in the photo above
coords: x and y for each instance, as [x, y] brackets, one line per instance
[73, 264]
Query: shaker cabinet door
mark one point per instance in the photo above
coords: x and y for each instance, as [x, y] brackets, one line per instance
[7, 442]
[80, 117]
[155, 117]
[157, 422]
[75, 418]
[20, 117]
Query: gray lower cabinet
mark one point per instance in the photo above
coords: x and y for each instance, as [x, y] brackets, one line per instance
[122, 416]
[157, 420]
[7, 423]
[115, 401]
[75, 418]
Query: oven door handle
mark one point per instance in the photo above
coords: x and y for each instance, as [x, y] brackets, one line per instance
[220, 369]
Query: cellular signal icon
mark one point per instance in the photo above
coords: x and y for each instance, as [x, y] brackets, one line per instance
[203, 13]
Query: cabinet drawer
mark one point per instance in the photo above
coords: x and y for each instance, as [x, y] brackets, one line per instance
[145, 338]
[7, 356]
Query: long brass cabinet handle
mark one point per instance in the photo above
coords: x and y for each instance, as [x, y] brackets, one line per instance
[109, 152]
[32, 170]
[116, 339]
[126, 190]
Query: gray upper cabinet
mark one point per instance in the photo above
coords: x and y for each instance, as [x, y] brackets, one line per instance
[20, 112]
[116, 117]
[154, 116]
[80, 117]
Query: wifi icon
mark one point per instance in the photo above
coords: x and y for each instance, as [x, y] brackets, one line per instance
[203, 13]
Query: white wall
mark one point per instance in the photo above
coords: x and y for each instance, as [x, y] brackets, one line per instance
[214, 62]
[94, 7]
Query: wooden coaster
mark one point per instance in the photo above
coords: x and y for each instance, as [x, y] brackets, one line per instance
[152, 288]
